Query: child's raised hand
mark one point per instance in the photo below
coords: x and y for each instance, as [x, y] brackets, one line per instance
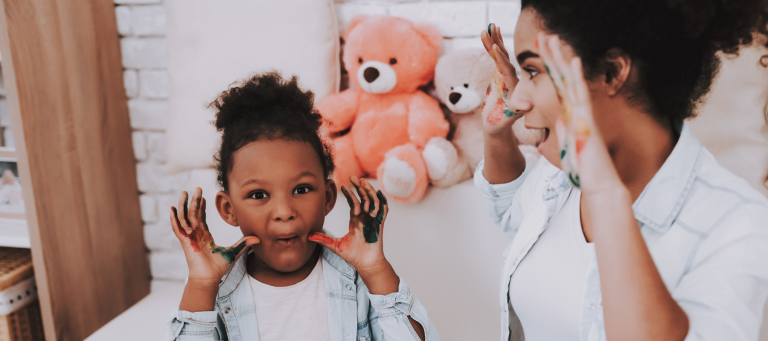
[584, 155]
[496, 114]
[363, 246]
[207, 262]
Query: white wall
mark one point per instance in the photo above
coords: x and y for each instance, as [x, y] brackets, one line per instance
[141, 24]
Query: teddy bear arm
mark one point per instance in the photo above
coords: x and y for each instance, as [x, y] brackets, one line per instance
[339, 110]
[426, 120]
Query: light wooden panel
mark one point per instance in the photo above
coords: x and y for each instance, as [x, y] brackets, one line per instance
[62, 67]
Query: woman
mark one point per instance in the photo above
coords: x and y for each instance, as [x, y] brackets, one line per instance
[659, 242]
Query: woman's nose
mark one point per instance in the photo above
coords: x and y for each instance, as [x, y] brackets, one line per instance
[520, 101]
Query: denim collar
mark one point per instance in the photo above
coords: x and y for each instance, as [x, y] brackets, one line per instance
[235, 275]
[663, 197]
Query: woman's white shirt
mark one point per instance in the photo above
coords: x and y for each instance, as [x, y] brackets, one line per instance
[547, 290]
[706, 230]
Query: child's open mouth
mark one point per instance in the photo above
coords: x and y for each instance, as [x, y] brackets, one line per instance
[287, 239]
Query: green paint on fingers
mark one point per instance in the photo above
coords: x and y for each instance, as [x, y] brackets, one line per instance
[186, 209]
[229, 253]
[381, 197]
[574, 180]
[509, 113]
[372, 225]
[349, 198]
[489, 29]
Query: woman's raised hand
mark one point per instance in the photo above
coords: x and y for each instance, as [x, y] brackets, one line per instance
[496, 112]
[207, 262]
[363, 246]
[584, 155]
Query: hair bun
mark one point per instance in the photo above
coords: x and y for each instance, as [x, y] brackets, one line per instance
[266, 98]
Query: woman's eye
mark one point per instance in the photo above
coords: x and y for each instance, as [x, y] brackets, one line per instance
[531, 72]
[302, 190]
[259, 195]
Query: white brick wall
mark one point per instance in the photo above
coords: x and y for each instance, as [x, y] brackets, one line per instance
[141, 25]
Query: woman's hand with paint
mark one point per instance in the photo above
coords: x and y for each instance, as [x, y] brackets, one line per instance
[207, 262]
[496, 114]
[363, 246]
[583, 152]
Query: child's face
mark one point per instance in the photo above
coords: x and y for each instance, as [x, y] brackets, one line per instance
[277, 192]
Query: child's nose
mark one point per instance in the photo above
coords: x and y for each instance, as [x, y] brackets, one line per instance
[284, 210]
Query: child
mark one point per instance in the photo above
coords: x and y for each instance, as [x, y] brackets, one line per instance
[275, 172]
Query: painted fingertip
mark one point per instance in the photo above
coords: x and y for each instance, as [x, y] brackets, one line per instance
[381, 197]
[489, 29]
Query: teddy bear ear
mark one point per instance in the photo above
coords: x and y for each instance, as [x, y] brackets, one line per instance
[353, 23]
[430, 34]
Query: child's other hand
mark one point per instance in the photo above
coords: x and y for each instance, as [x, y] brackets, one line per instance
[207, 262]
[363, 246]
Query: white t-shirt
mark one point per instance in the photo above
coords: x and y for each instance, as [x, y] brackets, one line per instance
[547, 288]
[296, 312]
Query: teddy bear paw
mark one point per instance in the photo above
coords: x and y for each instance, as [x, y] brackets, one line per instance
[399, 179]
[439, 155]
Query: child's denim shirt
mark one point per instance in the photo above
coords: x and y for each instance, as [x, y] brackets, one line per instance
[353, 312]
[706, 229]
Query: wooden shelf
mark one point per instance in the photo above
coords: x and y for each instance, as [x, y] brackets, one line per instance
[63, 77]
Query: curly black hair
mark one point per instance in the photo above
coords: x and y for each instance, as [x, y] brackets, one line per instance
[673, 43]
[266, 106]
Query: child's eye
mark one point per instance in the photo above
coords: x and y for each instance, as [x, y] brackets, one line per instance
[531, 72]
[302, 189]
[258, 195]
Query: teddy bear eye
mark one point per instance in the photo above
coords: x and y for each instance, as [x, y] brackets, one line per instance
[451, 88]
[392, 61]
[466, 85]
[360, 60]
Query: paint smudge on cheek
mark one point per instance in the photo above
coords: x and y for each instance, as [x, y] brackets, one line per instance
[229, 253]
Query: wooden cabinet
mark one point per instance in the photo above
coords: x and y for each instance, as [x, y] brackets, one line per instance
[62, 71]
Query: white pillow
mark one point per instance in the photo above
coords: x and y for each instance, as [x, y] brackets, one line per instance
[212, 44]
[732, 121]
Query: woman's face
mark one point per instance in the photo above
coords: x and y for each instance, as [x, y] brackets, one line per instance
[535, 95]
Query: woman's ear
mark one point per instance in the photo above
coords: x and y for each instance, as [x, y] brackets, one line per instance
[618, 66]
[330, 195]
[224, 206]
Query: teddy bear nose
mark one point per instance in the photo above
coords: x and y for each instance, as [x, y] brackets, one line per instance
[370, 74]
[454, 97]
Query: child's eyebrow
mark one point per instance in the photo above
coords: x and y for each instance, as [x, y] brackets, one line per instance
[251, 181]
[305, 173]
